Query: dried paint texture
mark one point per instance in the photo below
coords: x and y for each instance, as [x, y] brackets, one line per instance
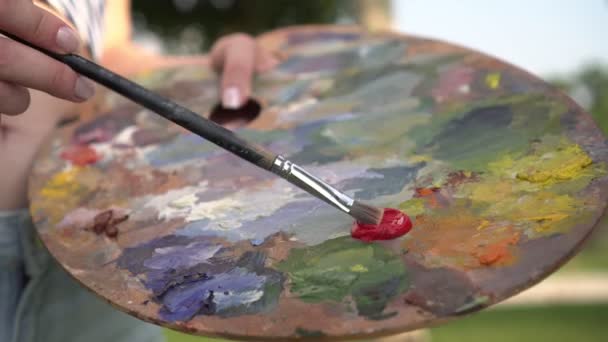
[62, 192]
[477, 220]
[533, 191]
[565, 163]
[188, 277]
[341, 268]
[456, 237]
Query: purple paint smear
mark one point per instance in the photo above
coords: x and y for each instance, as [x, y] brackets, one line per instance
[221, 293]
[192, 276]
[181, 256]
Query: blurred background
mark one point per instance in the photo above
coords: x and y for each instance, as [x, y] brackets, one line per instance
[562, 41]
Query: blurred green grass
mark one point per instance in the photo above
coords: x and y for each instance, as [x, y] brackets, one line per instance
[587, 323]
[549, 323]
[594, 255]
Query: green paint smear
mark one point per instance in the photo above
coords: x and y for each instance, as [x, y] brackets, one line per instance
[468, 137]
[413, 207]
[391, 137]
[344, 267]
[309, 333]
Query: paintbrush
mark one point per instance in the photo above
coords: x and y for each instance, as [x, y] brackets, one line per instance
[216, 134]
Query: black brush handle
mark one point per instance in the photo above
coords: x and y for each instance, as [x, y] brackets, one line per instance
[168, 109]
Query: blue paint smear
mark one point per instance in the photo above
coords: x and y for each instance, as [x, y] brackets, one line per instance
[257, 242]
[300, 218]
[194, 276]
[310, 64]
[201, 228]
[183, 148]
[181, 256]
[362, 56]
[297, 38]
[393, 180]
[213, 295]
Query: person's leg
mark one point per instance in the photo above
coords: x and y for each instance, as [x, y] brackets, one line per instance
[20, 139]
[54, 307]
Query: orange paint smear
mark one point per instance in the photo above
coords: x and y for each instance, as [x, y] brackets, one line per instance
[451, 238]
[432, 195]
[80, 155]
[498, 253]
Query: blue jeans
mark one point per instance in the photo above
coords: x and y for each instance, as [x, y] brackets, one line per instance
[40, 302]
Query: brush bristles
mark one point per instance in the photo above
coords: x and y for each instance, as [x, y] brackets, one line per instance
[366, 214]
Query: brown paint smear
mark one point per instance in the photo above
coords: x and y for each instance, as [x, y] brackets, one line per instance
[106, 222]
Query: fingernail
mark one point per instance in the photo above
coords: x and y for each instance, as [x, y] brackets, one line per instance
[231, 98]
[84, 88]
[67, 40]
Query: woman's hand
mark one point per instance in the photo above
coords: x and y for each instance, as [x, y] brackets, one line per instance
[22, 68]
[238, 57]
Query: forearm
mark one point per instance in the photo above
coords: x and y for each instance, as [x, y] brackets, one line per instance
[21, 137]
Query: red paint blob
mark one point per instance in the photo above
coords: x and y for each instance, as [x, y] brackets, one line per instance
[80, 155]
[393, 225]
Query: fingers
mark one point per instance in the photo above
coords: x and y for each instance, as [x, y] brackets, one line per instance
[238, 57]
[25, 67]
[13, 99]
[22, 67]
[32, 23]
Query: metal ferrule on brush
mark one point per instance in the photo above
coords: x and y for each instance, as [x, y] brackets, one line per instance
[302, 179]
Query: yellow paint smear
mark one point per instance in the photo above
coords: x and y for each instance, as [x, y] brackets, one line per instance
[544, 223]
[483, 225]
[522, 190]
[62, 185]
[413, 207]
[493, 80]
[542, 211]
[359, 268]
[63, 193]
[419, 158]
[564, 164]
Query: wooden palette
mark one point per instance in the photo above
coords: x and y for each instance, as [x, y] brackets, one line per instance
[504, 178]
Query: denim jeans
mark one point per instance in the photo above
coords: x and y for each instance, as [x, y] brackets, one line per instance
[39, 301]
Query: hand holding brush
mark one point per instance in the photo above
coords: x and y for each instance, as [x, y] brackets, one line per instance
[215, 133]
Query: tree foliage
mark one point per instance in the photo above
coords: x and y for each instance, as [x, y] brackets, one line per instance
[214, 18]
[593, 78]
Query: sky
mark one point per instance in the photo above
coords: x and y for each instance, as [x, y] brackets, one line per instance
[548, 38]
